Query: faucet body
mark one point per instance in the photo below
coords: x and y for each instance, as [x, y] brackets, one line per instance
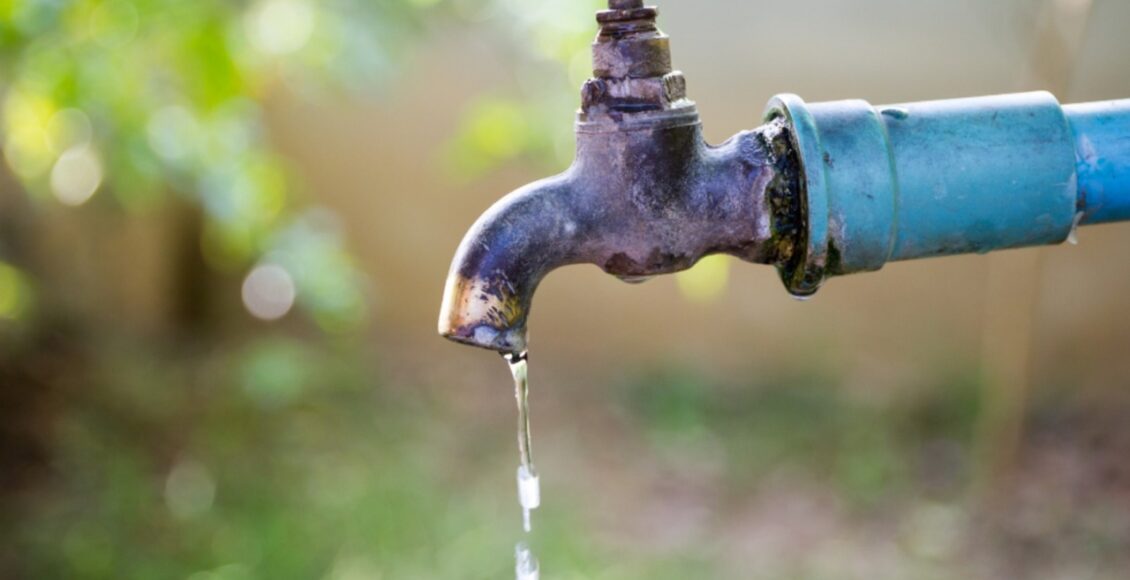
[644, 196]
[635, 203]
[819, 190]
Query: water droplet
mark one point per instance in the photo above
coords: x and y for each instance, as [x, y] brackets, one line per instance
[802, 296]
[635, 279]
[525, 564]
[529, 493]
[898, 113]
[1073, 237]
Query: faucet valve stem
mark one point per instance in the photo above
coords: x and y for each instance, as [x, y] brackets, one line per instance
[632, 70]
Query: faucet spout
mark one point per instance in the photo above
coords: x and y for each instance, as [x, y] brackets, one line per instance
[502, 259]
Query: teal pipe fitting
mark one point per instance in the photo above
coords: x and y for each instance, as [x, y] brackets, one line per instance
[939, 178]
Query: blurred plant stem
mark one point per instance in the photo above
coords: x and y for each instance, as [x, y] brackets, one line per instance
[1015, 279]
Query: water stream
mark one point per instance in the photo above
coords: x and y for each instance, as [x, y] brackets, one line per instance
[529, 487]
[525, 564]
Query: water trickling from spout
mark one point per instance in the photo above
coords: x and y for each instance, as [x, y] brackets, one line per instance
[529, 487]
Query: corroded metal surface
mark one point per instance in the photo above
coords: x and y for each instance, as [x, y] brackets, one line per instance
[645, 195]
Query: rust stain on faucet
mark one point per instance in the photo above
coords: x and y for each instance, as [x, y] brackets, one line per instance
[645, 194]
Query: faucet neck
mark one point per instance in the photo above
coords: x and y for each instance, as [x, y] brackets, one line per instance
[633, 85]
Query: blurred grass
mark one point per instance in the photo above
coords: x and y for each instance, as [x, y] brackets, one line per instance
[872, 452]
[278, 457]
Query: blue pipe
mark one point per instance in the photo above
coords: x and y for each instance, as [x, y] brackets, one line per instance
[901, 182]
[1102, 150]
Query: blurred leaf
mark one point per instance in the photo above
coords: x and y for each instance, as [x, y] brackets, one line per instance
[15, 293]
[275, 373]
[871, 452]
[123, 101]
[536, 124]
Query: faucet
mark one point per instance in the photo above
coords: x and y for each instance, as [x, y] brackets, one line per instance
[644, 196]
[819, 190]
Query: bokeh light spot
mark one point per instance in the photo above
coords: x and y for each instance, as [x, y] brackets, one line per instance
[68, 129]
[275, 373]
[707, 281]
[269, 292]
[77, 174]
[172, 132]
[114, 24]
[189, 490]
[280, 27]
[27, 147]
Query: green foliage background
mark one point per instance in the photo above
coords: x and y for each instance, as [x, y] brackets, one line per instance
[166, 97]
